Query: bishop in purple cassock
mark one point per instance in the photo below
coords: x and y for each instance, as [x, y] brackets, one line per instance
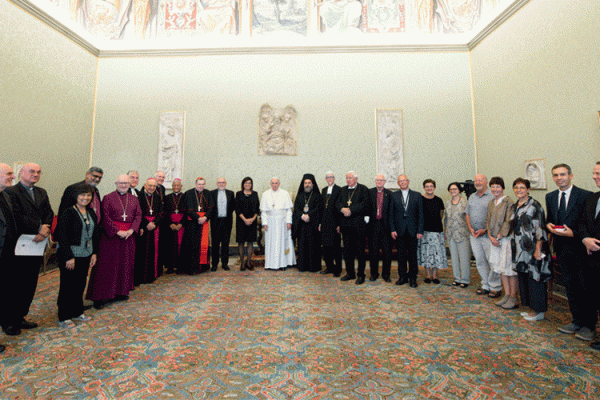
[112, 276]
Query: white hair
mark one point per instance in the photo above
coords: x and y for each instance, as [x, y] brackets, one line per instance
[354, 174]
[329, 173]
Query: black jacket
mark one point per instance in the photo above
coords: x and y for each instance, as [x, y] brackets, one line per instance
[68, 233]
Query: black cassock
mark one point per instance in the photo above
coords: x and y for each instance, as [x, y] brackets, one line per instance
[147, 267]
[174, 213]
[307, 234]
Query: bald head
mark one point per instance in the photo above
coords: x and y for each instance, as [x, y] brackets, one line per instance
[379, 181]
[150, 185]
[160, 177]
[122, 183]
[480, 181]
[7, 175]
[30, 174]
[403, 182]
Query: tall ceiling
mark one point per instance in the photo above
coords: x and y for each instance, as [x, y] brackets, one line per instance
[130, 27]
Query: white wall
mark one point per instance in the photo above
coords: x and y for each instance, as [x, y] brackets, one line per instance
[537, 91]
[335, 95]
[46, 100]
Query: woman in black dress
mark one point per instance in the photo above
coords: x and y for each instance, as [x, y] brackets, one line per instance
[247, 210]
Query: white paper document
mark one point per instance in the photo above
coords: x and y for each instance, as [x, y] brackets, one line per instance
[27, 247]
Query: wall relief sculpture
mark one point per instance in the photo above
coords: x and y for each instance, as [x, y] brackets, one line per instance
[277, 131]
[170, 145]
[390, 152]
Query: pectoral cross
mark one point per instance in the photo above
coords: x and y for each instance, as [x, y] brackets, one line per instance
[176, 211]
[151, 212]
[349, 203]
[199, 208]
[124, 216]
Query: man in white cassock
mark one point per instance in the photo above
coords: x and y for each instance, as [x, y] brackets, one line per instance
[276, 215]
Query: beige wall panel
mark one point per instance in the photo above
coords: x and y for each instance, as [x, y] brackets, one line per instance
[537, 92]
[46, 100]
[335, 95]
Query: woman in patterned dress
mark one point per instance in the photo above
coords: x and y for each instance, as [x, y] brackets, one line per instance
[432, 247]
[530, 251]
[457, 235]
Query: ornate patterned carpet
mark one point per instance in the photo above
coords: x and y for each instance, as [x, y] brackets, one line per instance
[293, 335]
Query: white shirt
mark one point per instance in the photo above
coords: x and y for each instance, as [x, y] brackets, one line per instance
[329, 189]
[567, 196]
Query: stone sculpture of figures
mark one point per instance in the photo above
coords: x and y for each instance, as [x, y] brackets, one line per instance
[277, 131]
[169, 151]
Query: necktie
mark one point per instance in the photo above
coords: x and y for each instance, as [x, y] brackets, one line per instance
[562, 209]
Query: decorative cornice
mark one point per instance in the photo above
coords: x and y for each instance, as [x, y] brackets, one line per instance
[55, 24]
[285, 50]
[499, 20]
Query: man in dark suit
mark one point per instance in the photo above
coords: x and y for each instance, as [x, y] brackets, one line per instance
[378, 230]
[330, 227]
[220, 225]
[589, 233]
[353, 204]
[565, 207]
[134, 180]
[34, 216]
[160, 189]
[69, 197]
[8, 238]
[406, 225]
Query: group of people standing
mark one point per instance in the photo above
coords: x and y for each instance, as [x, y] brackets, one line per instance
[129, 236]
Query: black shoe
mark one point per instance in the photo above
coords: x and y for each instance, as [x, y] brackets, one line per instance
[250, 266]
[595, 345]
[346, 278]
[360, 280]
[427, 280]
[2, 348]
[169, 271]
[436, 281]
[413, 283]
[325, 271]
[387, 279]
[243, 267]
[213, 269]
[226, 267]
[336, 274]
[401, 281]
[87, 307]
[121, 298]
[99, 304]
[373, 278]
[28, 324]
[11, 330]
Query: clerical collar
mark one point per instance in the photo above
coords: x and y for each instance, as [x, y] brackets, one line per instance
[405, 192]
[353, 187]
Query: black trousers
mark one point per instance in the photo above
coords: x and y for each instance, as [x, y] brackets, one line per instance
[578, 281]
[220, 235]
[379, 239]
[333, 255]
[72, 286]
[534, 294]
[21, 283]
[354, 247]
[407, 251]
